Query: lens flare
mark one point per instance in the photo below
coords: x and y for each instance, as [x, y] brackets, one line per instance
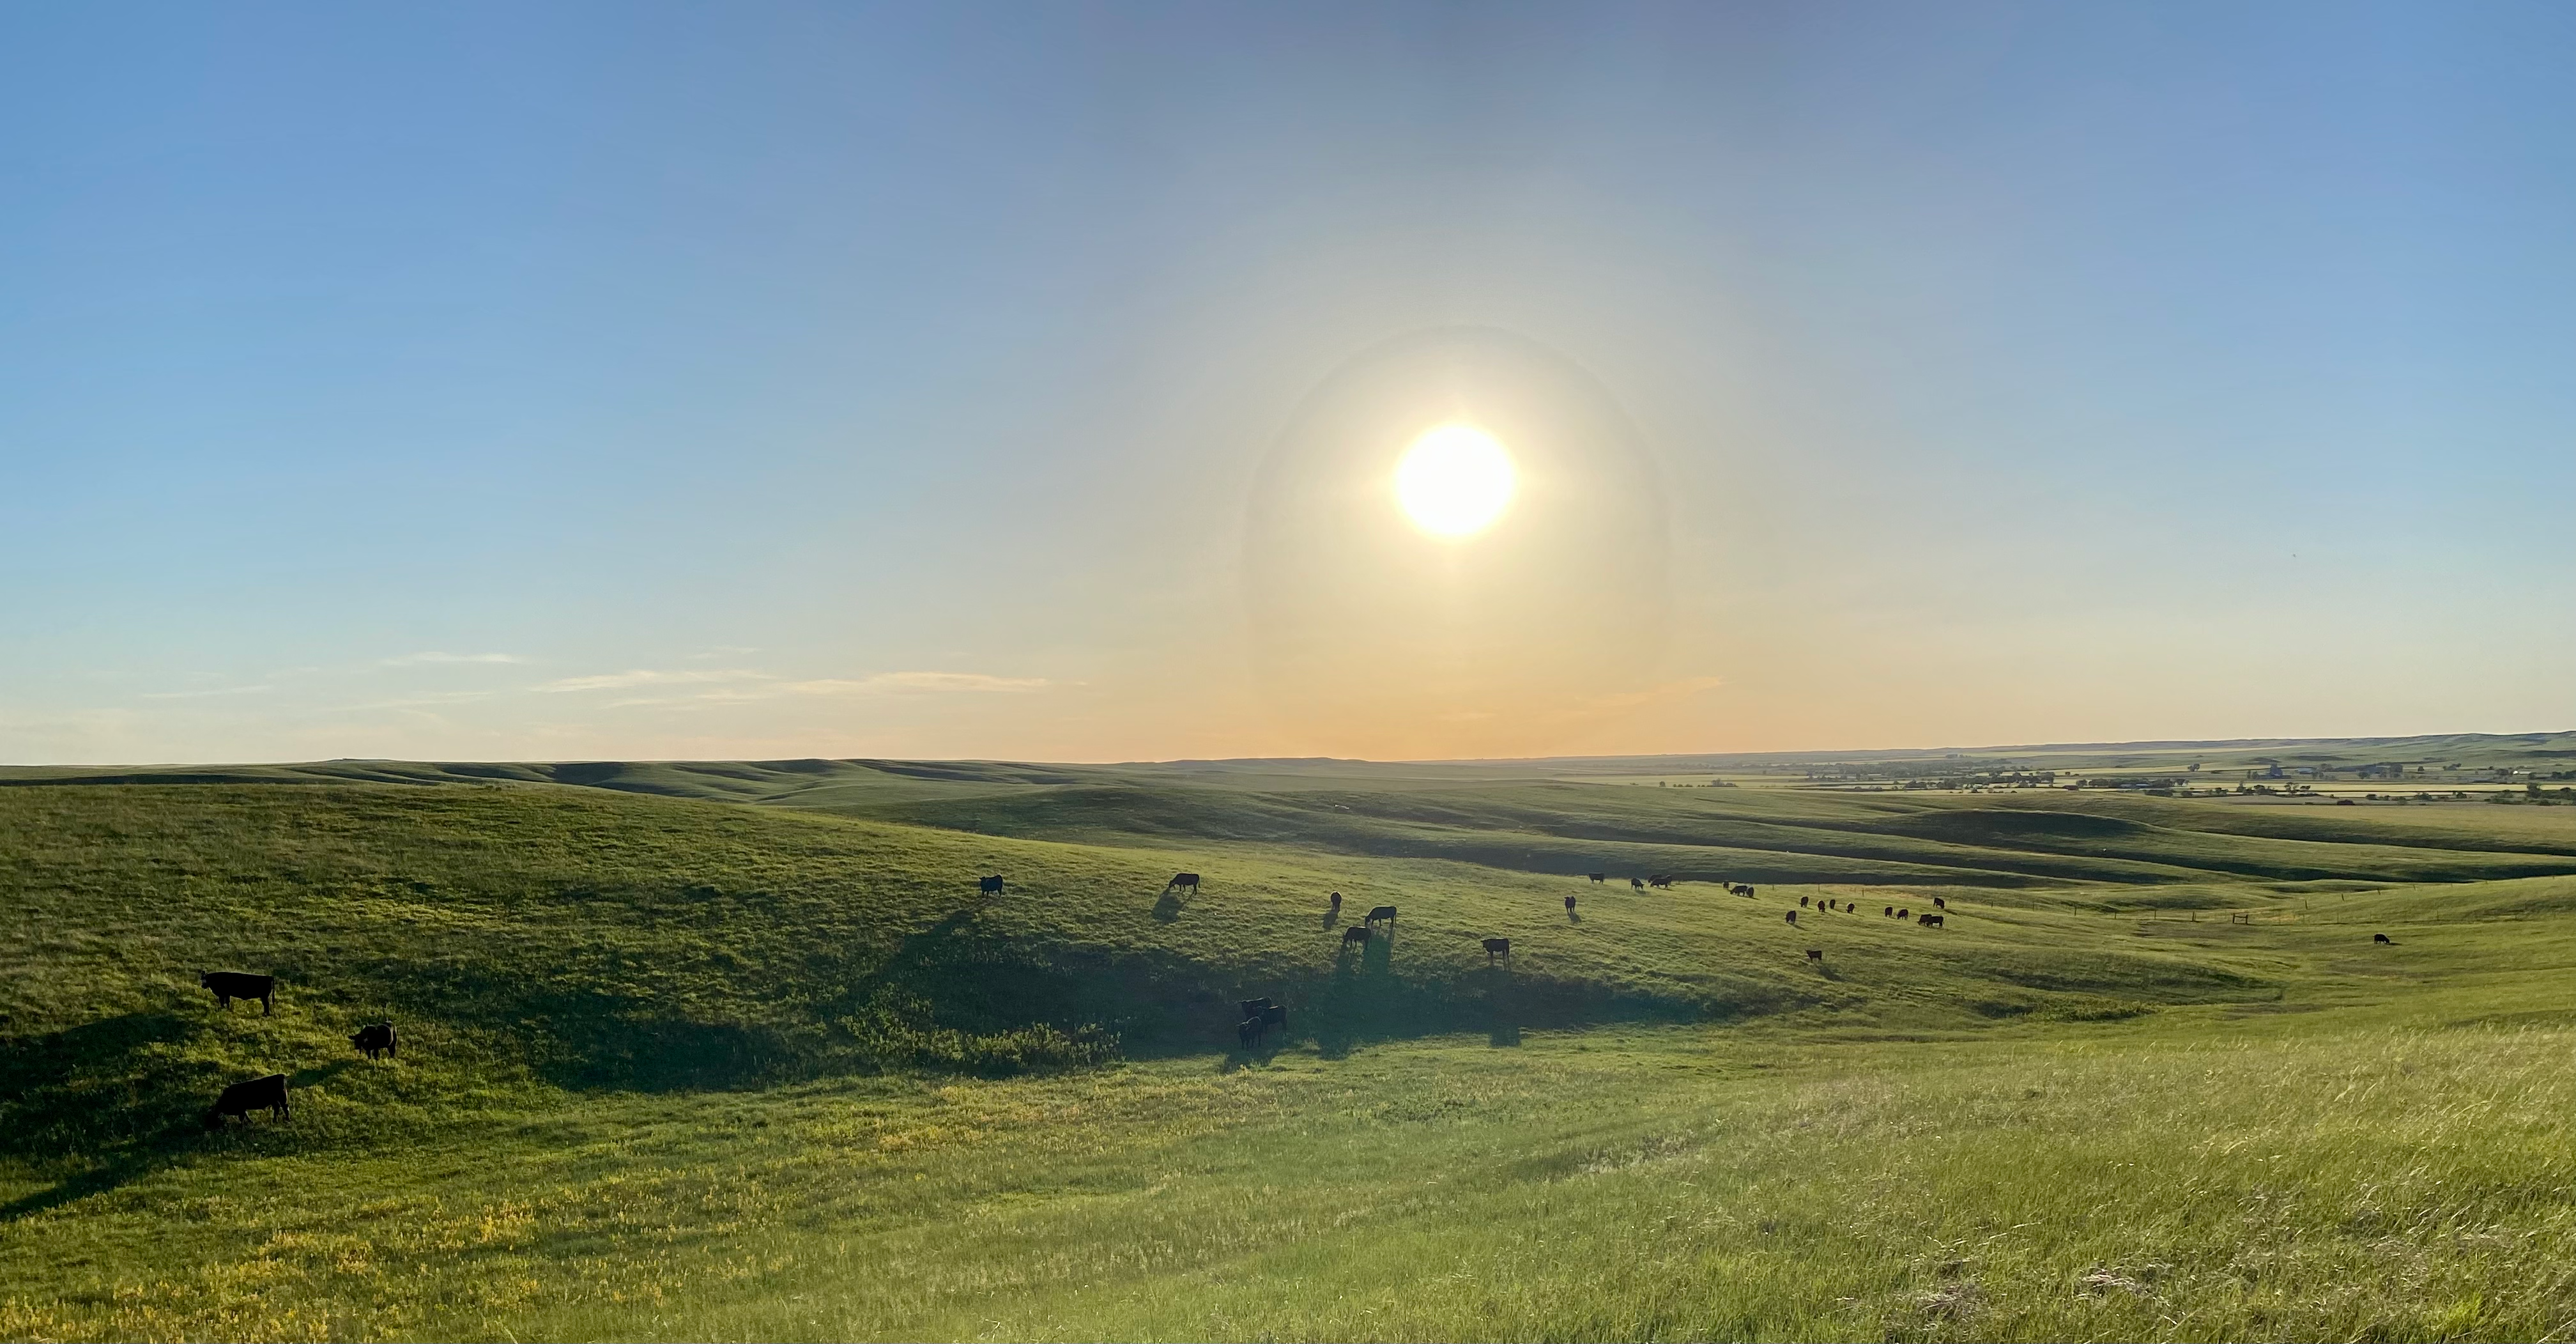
[1454, 481]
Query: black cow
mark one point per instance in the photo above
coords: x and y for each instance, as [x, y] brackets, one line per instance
[1357, 933]
[1664, 881]
[1745, 890]
[1337, 902]
[1793, 916]
[1497, 947]
[988, 886]
[1636, 884]
[1888, 910]
[1940, 904]
[1598, 877]
[1815, 954]
[1384, 912]
[231, 985]
[1248, 1031]
[1253, 1007]
[1903, 913]
[241, 1099]
[1928, 921]
[2382, 938]
[1802, 902]
[1569, 905]
[1274, 1015]
[1189, 880]
[375, 1039]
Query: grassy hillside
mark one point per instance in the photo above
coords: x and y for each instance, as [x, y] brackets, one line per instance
[692, 1068]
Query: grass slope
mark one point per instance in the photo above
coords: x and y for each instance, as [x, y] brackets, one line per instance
[687, 1068]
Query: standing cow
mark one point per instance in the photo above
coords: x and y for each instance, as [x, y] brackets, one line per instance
[988, 886]
[374, 1039]
[231, 985]
[240, 1099]
[1382, 912]
[1497, 947]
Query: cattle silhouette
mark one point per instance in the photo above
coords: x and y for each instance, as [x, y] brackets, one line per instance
[1383, 912]
[988, 886]
[1357, 933]
[1497, 947]
[2381, 938]
[1189, 880]
[231, 985]
[240, 1099]
[375, 1039]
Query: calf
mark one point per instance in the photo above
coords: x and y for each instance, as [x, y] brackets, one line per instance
[374, 1040]
[1382, 912]
[988, 886]
[241, 1099]
[1357, 933]
[2381, 938]
[231, 985]
[1497, 947]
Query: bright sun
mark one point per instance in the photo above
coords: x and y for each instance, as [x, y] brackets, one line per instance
[1454, 481]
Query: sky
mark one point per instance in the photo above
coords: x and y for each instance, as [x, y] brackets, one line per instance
[508, 381]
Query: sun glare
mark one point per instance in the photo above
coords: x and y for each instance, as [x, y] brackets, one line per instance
[1454, 481]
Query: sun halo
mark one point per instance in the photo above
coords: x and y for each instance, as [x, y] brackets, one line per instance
[1454, 481]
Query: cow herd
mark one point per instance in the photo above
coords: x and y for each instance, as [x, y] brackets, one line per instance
[269, 1093]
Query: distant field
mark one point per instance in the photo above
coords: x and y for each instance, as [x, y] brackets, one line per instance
[738, 1051]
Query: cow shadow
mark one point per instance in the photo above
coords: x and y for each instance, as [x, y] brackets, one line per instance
[1572, 918]
[1332, 920]
[1169, 905]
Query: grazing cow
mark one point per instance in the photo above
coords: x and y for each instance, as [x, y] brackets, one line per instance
[1793, 916]
[1939, 903]
[1189, 880]
[1928, 921]
[1815, 954]
[1598, 877]
[374, 1039]
[241, 1099]
[988, 886]
[1357, 933]
[1664, 881]
[1636, 884]
[1745, 890]
[1497, 947]
[1382, 912]
[1888, 910]
[2381, 938]
[1903, 913]
[1802, 902]
[231, 985]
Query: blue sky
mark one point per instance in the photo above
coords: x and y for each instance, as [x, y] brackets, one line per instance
[513, 381]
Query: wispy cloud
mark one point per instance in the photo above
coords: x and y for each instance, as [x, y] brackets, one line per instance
[414, 659]
[901, 682]
[195, 695]
[615, 681]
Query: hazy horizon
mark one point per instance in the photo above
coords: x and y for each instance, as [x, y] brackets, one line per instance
[780, 381]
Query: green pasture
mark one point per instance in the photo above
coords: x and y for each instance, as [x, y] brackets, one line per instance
[739, 1051]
